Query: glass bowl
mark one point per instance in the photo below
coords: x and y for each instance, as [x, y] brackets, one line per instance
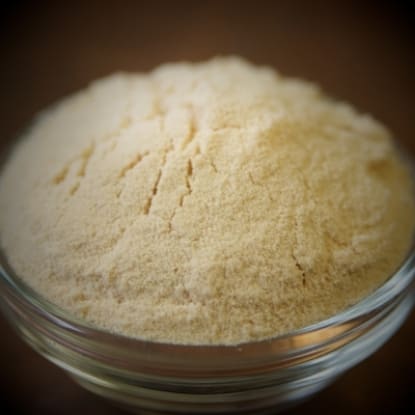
[257, 377]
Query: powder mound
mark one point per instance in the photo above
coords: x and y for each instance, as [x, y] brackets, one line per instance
[210, 203]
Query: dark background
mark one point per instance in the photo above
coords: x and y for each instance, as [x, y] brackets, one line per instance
[362, 52]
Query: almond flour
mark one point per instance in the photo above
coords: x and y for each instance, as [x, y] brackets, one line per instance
[211, 203]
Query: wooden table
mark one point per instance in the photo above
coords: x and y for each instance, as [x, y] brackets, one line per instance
[362, 52]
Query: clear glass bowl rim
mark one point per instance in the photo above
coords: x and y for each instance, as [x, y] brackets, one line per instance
[298, 342]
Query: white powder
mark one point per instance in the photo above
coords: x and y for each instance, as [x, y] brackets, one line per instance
[205, 203]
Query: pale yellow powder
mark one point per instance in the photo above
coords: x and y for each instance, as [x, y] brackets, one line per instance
[205, 203]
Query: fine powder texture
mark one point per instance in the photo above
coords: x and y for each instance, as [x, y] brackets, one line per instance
[210, 203]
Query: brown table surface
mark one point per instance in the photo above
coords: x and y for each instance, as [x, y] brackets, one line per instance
[362, 52]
